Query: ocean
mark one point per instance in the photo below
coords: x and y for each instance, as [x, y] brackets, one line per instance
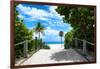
[54, 42]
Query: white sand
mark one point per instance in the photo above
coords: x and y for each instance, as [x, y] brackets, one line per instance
[56, 46]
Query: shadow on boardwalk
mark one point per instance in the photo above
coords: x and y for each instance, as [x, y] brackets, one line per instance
[67, 55]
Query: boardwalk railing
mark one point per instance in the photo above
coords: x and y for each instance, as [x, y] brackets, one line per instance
[26, 45]
[84, 47]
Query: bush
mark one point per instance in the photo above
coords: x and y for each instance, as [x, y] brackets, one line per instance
[46, 47]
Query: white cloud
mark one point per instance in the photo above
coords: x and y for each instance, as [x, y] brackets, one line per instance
[51, 16]
[21, 16]
[53, 11]
[70, 28]
[37, 35]
[52, 35]
[39, 14]
[35, 13]
[20, 6]
[50, 31]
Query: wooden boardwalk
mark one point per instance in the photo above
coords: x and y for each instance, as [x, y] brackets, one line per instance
[47, 56]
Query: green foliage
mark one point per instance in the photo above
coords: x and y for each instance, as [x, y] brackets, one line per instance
[42, 44]
[68, 39]
[39, 29]
[21, 34]
[46, 47]
[31, 46]
[81, 19]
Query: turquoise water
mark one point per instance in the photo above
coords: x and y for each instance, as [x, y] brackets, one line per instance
[54, 42]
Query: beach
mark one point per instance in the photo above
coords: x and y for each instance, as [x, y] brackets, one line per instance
[56, 46]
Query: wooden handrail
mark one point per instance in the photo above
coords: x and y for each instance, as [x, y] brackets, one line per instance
[25, 46]
[83, 40]
[89, 43]
[23, 42]
[20, 43]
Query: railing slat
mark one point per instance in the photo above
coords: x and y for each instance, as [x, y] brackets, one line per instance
[79, 39]
[19, 43]
[30, 40]
[89, 43]
[83, 40]
[84, 47]
[26, 49]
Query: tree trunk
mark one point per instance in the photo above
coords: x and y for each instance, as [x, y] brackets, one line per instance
[39, 40]
[39, 35]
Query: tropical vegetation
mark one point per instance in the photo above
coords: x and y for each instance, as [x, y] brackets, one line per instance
[22, 33]
[82, 21]
[68, 39]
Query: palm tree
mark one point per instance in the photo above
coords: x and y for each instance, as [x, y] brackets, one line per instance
[39, 29]
[61, 35]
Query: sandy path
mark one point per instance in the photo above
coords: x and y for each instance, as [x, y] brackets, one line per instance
[56, 46]
[44, 56]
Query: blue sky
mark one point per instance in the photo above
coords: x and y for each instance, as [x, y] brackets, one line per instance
[47, 16]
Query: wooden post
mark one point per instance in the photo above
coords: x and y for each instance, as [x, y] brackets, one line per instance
[76, 43]
[44, 44]
[40, 43]
[84, 47]
[26, 49]
[35, 43]
[70, 45]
